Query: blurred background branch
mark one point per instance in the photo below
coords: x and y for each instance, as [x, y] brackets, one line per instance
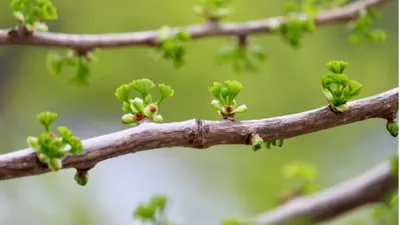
[373, 186]
[87, 42]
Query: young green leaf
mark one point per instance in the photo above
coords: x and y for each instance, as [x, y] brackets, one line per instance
[123, 92]
[337, 66]
[158, 202]
[215, 90]
[144, 212]
[165, 92]
[65, 133]
[76, 145]
[143, 86]
[46, 119]
[233, 89]
[55, 63]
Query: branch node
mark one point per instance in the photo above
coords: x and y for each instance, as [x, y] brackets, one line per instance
[197, 136]
[18, 32]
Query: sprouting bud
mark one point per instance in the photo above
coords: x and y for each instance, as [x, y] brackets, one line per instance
[129, 119]
[256, 141]
[151, 110]
[81, 177]
[33, 142]
[43, 158]
[279, 142]
[137, 105]
[393, 128]
[158, 119]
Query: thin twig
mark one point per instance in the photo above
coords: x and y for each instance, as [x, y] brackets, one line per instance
[371, 187]
[86, 42]
[203, 134]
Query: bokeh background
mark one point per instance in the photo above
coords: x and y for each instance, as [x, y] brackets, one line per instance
[204, 186]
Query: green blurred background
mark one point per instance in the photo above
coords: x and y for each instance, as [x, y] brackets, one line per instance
[204, 186]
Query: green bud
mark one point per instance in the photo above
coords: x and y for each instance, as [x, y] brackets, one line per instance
[340, 108]
[268, 144]
[43, 158]
[158, 119]
[151, 110]
[256, 145]
[33, 142]
[240, 109]
[129, 119]
[81, 178]
[393, 128]
[256, 141]
[279, 142]
[54, 164]
[137, 105]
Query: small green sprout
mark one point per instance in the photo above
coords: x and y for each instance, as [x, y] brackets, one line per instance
[337, 88]
[51, 149]
[256, 141]
[153, 211]
[56, 62]
[278, 143]
[225, 95]
[241, 55]
[361, 28]
[171, 47]
[30, 13]
[213, 10]
[392, 127]
[138, 109]
[81, 177]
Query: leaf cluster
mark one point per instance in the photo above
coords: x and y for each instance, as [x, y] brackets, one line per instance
[361, 28]
[225, 95]
[138, 109]
[213, 9]
[241, 57]
[295, 27]
[172, 47]
[56, 62]
[337, 88]
[30, 13]
[50, 148]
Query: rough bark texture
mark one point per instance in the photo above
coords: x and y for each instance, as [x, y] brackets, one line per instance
[87, 42]
[202, 134]
[371, 187]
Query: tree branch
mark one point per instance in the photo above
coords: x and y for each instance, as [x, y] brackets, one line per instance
[92, 41]
[371, 187]
[202, 134]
